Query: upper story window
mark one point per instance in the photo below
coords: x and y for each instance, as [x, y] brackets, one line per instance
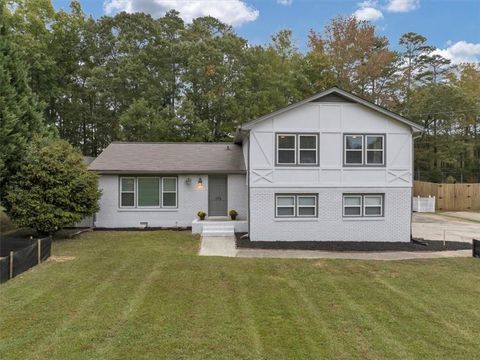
[148, 192]
[297, 149]
[364, 149]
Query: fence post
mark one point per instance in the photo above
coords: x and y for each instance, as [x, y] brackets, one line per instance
[11, 264]
[39, 250]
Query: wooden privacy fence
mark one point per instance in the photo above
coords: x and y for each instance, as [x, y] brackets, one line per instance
[450, 197]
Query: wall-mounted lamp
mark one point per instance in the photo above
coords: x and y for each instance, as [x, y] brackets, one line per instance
[188, 181]
[200, 184]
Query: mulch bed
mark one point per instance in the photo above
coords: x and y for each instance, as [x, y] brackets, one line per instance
[415, 245]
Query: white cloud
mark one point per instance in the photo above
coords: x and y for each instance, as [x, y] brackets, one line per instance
[368, 11]
[285, 2]
[460, 52]
[232, 12]
[402, 5]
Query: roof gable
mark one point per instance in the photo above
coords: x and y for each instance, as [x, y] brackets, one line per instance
[336, 94]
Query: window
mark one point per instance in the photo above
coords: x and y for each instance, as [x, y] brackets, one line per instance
[297, 149]
[374, 149]
[127, 192]
[307, 150]
[364, 150]
[292, 205]
[352, 205]
[372, 205]
[169, 192]
[356, 205]
[354, 149]
[148, 192]
[286, 149]
[307, 205]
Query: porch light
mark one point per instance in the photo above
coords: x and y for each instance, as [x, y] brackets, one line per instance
[200, 184]
[188, 181]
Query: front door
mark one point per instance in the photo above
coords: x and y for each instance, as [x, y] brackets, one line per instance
[217, 195]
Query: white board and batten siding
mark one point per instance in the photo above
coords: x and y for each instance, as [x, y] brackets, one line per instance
[330, 178]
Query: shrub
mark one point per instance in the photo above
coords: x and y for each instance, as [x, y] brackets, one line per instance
[201, 214]
[52, 188]
[233, 214]
[451, 180]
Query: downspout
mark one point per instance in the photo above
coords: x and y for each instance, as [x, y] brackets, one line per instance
[414, 137]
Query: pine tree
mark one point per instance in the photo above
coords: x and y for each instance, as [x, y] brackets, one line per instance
[20, 113]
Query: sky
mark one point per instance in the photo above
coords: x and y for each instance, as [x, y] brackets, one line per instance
[451, 26]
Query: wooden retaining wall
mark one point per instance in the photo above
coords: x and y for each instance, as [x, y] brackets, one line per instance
[450, 197]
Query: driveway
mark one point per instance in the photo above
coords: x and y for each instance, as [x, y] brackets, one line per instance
[452, 226]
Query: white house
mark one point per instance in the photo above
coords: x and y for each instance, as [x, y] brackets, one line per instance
[333, 167]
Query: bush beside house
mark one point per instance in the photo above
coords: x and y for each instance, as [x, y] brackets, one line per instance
[52, 188]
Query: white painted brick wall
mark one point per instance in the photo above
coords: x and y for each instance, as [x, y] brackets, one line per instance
[330, 224]
[237, 194]
[190, 201]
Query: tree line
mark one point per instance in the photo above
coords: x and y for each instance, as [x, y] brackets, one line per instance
[136, 78]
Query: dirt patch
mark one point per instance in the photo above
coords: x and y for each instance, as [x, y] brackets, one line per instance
[61, 258]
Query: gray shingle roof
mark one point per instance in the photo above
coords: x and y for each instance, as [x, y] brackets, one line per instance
[173, 158]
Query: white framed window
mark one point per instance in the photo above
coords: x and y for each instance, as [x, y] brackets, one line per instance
[353, 145]
[169, 192]
[375, 149]
[372, 205]
[295, 205]
[286, 149]
[148, 189]
[307, 205]
[148, 192]
[285, 205]
[297, 149]
[307, 149]
[364, 149]
[127, 192]
[352, 205]
[363, 205]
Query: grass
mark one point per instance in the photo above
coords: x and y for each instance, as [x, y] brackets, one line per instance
[5, 224]
[147, 295]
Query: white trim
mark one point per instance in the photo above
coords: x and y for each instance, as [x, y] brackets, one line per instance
[169, 192]
[128, 192]
[352, 206]
[373, 206]
[286, 149]
[307, 206]
[382, 150]
[285, 206]
[413, 126]
[314, 149]
[345, 136]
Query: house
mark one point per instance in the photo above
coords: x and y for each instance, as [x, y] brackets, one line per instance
[333, 167]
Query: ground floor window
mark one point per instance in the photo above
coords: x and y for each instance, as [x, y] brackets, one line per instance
[148, 192]
[358, 205]
[295, 205]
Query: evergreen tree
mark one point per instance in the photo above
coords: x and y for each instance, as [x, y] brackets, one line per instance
[20, 113]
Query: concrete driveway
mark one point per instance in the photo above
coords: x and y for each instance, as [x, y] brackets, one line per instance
[451, 226]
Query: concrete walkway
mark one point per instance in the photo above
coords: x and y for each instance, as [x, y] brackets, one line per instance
[218, 246]
[225, 246]
[450, 226]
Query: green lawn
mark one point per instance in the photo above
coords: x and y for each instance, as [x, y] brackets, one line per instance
[147, 295]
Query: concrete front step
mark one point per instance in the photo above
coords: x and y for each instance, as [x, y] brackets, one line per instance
[218, 230]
